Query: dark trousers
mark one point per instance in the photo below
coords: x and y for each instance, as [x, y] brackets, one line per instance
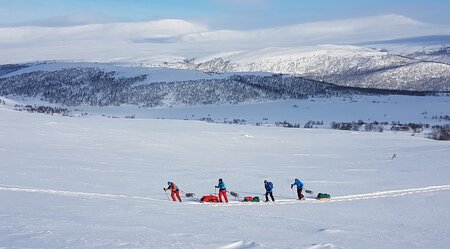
[299, 193]
[271, 196]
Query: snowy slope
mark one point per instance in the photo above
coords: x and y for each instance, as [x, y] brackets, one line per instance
[120, 71]
[429, 48]
[439, 53]
[97, 183]
[340, 64]
[427, 76]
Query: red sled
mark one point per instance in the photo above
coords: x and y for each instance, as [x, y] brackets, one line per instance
[248, 198]
[209, 198]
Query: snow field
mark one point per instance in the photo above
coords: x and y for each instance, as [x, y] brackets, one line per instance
[97, 183]
[236, 201]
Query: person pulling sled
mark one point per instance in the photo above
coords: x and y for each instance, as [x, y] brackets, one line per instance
[299, 185]
[222, 191]
[175, 191]
[269, 189]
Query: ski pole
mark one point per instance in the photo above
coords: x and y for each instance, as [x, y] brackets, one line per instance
[167, 195]
[293, 196]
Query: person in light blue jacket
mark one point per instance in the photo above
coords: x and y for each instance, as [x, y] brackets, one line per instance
[299, 185]
[222, 190]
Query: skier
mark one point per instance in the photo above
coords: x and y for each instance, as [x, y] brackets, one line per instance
[175, 191]
[269, 188]
[222, 191]
[299, 185]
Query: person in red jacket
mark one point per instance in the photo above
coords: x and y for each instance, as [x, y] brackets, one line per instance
[175, 191]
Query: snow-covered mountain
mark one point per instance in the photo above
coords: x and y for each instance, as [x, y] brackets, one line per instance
[346, 65]
[106, 42]
[388, 51]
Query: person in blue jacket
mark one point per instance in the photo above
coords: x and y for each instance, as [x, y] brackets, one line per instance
[222, 190]
[269, 188]
[299, 185]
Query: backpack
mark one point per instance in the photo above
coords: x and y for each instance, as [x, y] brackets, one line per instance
[255, 199]
[323, 196]
[209, 198]
[174, 187]
[270, 185]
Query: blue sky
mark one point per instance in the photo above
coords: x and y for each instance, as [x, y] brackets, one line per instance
[232, 14]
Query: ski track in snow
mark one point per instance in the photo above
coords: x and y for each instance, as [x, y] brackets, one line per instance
[76, 194]
[374, 195]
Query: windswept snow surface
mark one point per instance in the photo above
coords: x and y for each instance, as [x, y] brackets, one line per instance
[94, 182]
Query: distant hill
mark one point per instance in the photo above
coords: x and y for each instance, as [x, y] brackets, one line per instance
[102, 85]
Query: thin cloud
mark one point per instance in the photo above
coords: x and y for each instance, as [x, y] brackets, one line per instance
[64, 21]
[99, 32]
[340, 31]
